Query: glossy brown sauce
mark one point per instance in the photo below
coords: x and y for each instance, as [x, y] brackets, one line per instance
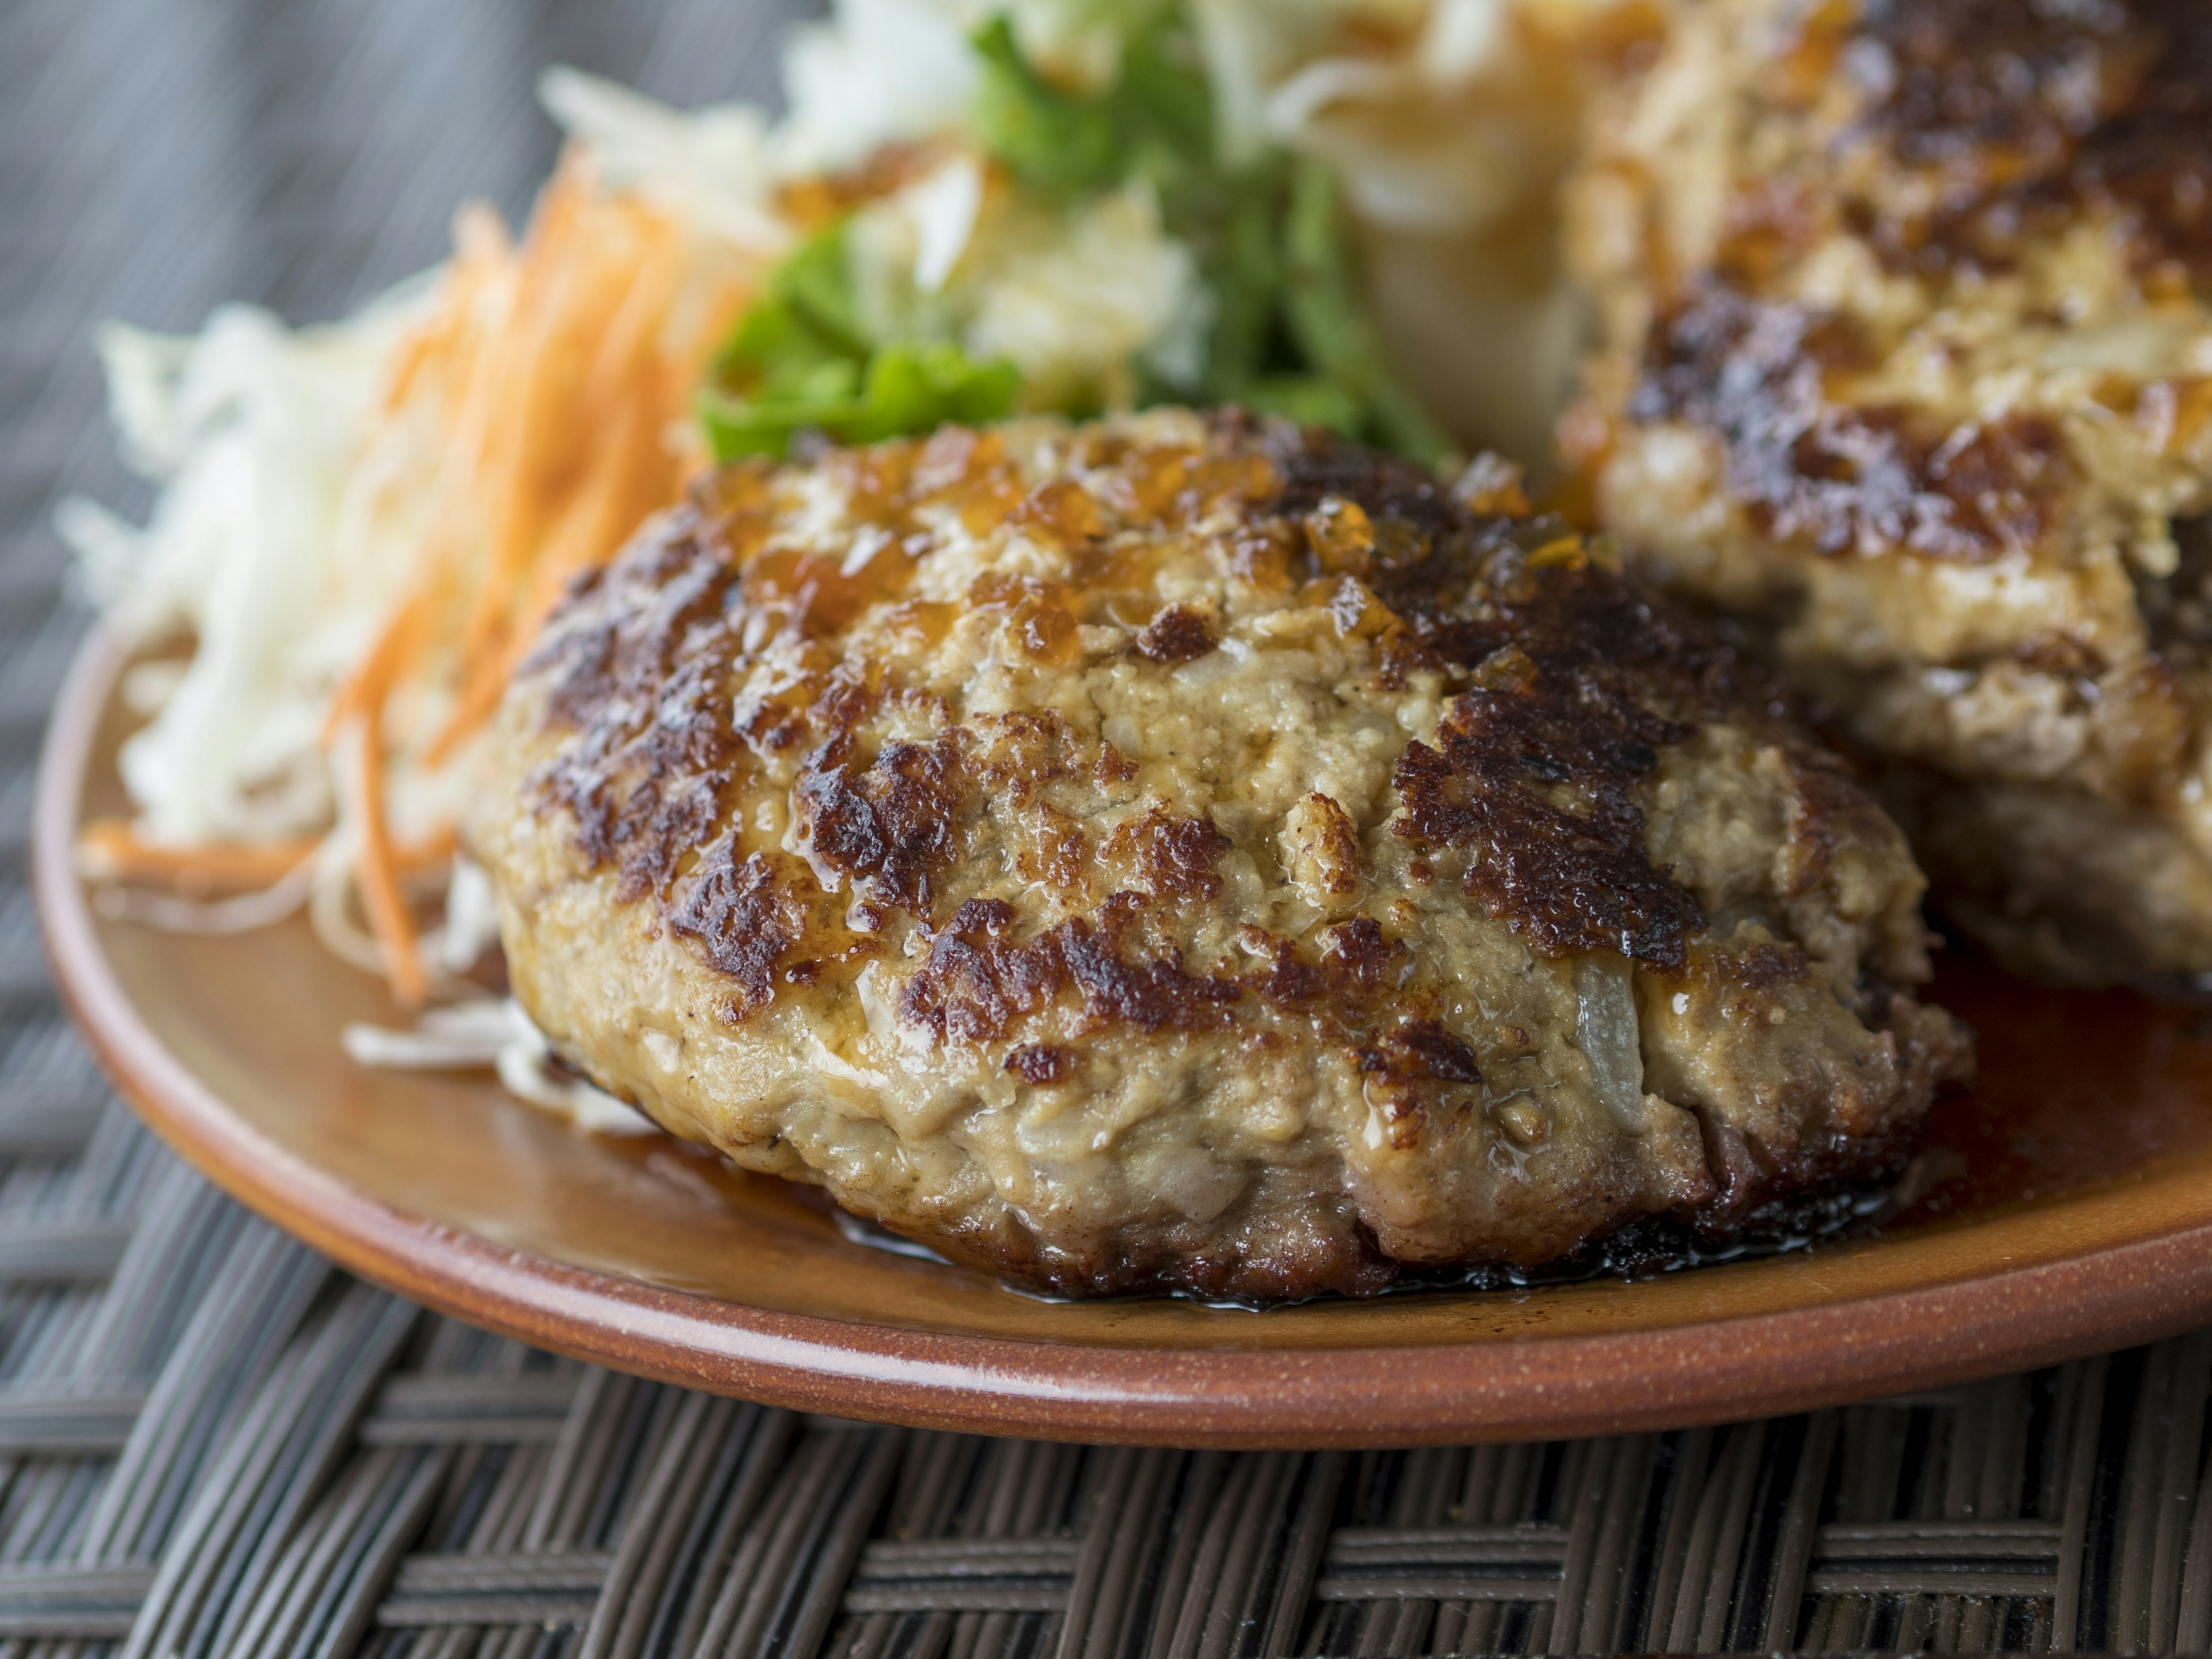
[2073, 1087]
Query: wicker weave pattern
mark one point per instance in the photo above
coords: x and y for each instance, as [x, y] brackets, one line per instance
[212, 1444]
[223, 1446]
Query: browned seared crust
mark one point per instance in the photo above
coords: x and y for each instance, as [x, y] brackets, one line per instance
[1907, 355]
[1179, 854]
[2027, 117]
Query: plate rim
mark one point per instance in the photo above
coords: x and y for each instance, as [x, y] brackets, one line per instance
[1713, 1370]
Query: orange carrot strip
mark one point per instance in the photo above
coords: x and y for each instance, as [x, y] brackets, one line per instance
[486, 682]
[371, 677]
[556, 262]
[411, 858]
[484, 679]
[587, 534]
[108, 849]
[480, 248]
[558, 367]
[381, 897]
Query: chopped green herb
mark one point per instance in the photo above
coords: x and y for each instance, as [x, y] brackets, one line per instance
[1309, 400]
[1231, 226]
[1290, 334]
[909, 388]
[1046, 137]
[805, 317]
[1162, 93]
[1331, 325]
[799, 358]
[1156, 117]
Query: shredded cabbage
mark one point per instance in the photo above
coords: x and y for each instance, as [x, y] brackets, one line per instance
[495, 1034]
[711, 164]
[290, 516]
[1111, 287]
[874, 72]
[253, 430]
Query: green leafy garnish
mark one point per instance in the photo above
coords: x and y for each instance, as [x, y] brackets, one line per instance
[1048, 138]
[903, 389]
[1332, 330]
[1289, 334]
[1157, 117]
[801, 359]
[1309, 400]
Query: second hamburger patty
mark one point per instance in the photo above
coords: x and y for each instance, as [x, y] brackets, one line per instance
[1173, 853]
[1907, 353]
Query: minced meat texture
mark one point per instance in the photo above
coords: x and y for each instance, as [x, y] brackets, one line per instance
[1189, 854]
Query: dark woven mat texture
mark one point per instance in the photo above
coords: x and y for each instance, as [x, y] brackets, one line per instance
[213, 1444]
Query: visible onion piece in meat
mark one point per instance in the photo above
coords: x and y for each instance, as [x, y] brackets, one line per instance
[1606, 1032]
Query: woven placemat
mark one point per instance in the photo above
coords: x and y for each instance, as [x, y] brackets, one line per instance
[211, 1442]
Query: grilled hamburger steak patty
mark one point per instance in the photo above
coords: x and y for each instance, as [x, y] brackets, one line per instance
[1172, 853]
[1907, 352]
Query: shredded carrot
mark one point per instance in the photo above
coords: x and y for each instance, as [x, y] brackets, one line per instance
[382, 898]
[594, 520]
[363, 691]
[480, 251]
[433, 851]
[547, 381]
[108, 849]
[487, 676]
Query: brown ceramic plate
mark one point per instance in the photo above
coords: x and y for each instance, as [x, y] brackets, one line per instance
[2077, 1216]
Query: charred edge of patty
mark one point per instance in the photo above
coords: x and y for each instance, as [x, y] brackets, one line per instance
[1817, 1191]
[1764, 1202]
